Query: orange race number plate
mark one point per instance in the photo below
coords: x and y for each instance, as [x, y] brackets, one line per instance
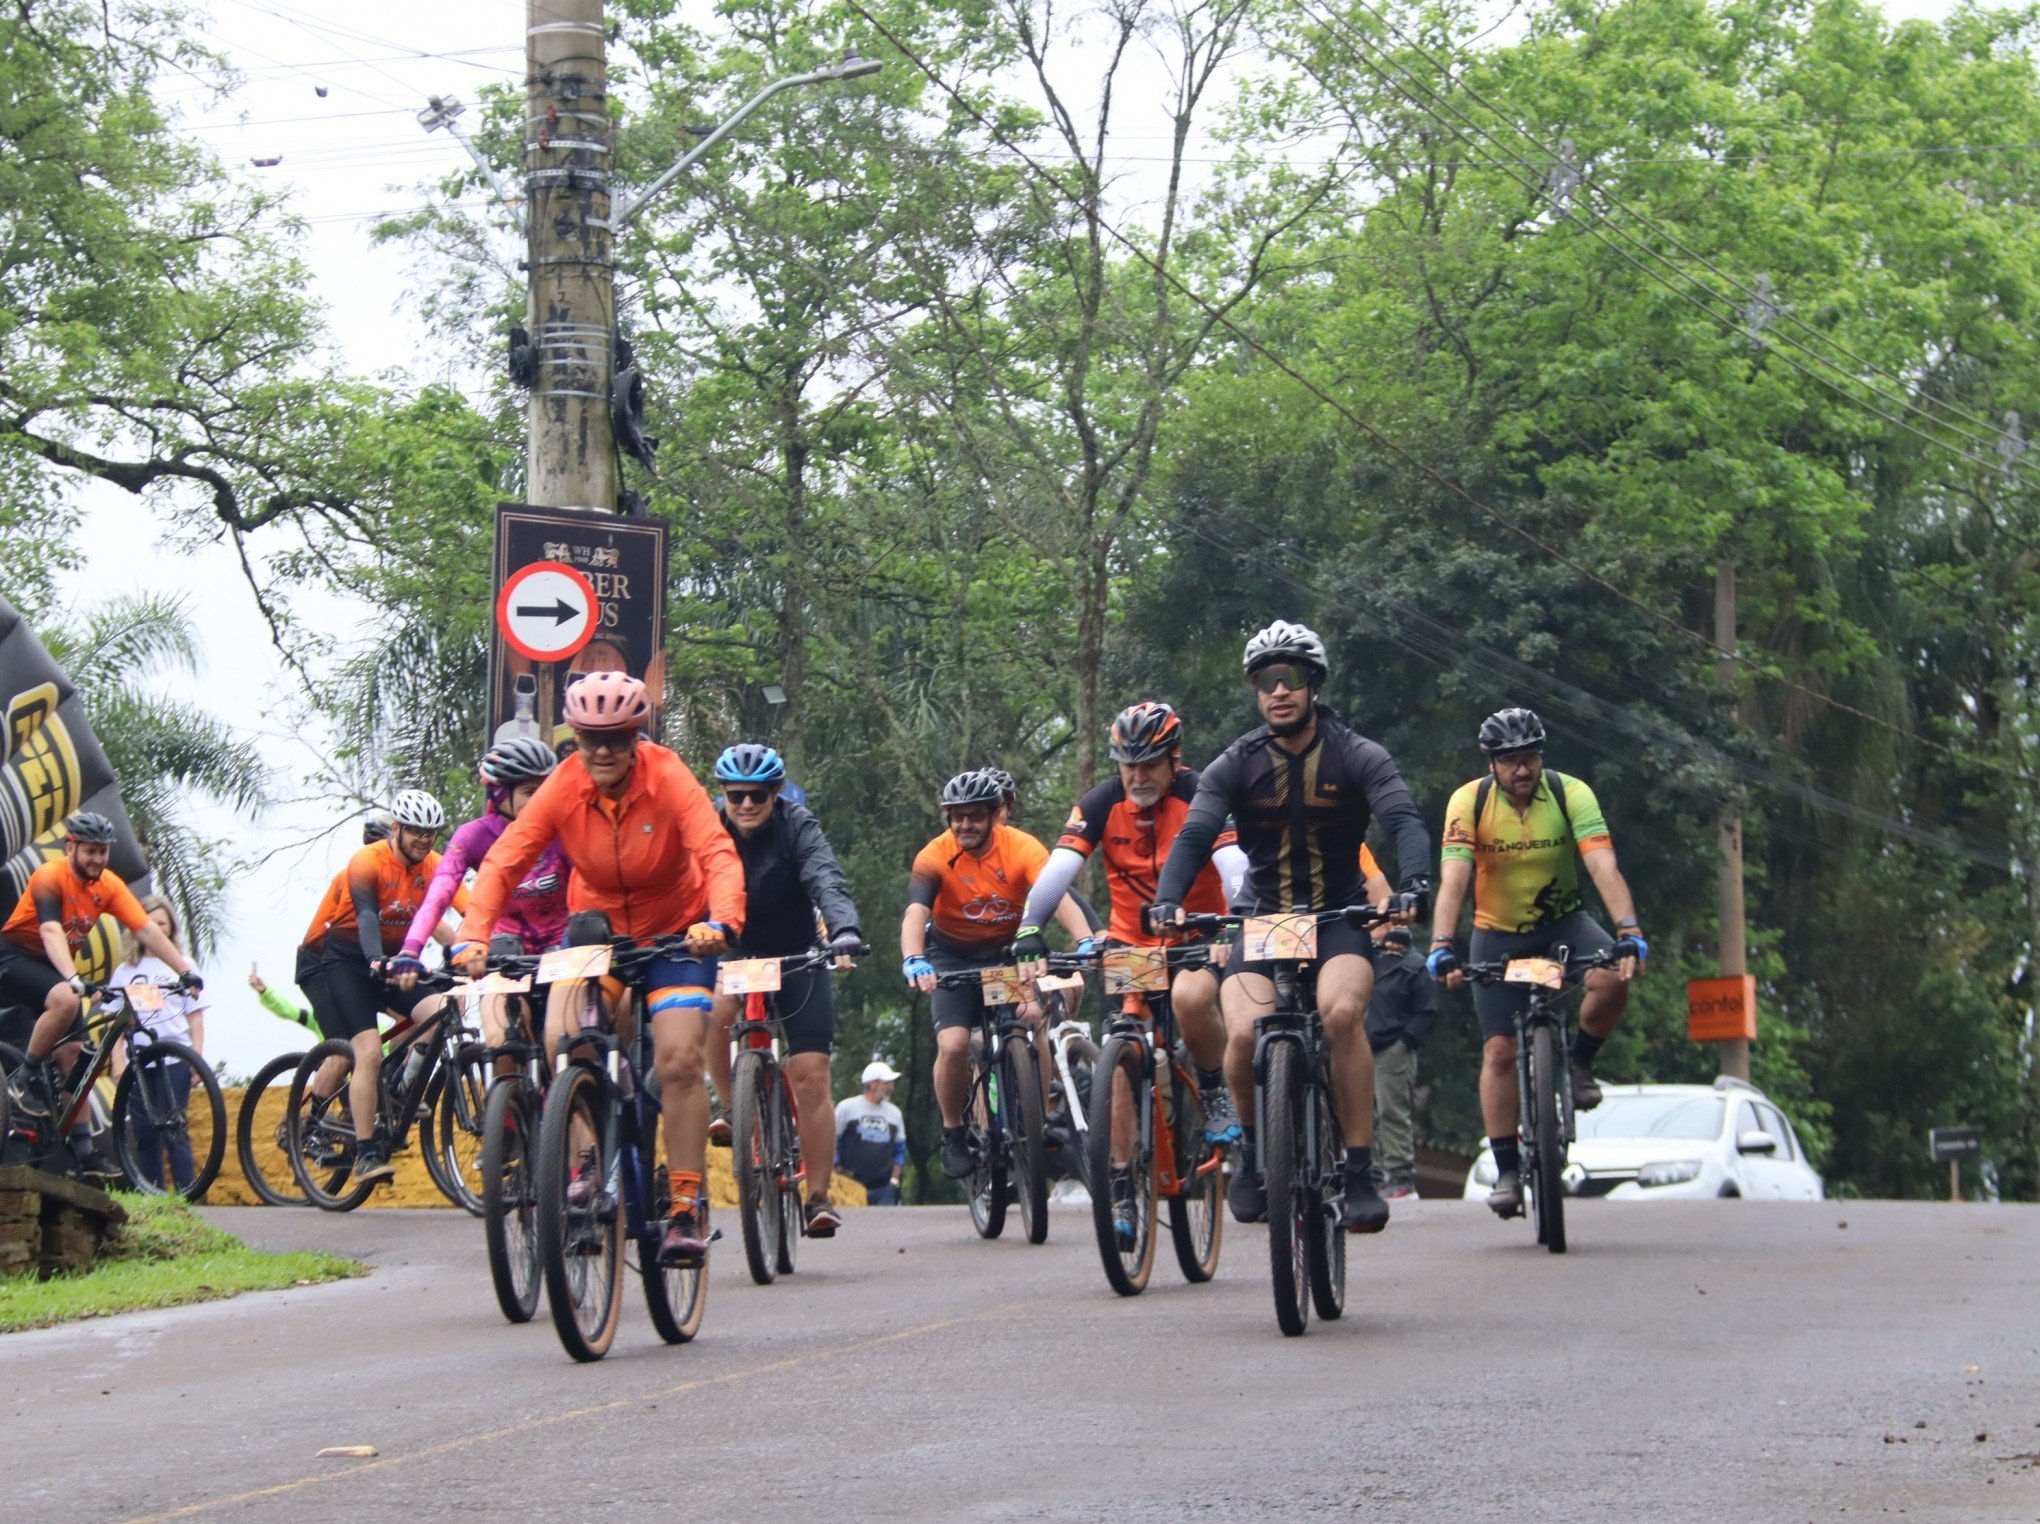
[1002, 986]
[498, 984]
[1545, 973]
[748, 976]
[1279, 939]
[1067, 983]
[144, 996]
[1136, 970]
[567, 963]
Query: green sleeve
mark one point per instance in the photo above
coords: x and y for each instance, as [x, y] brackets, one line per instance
[1458, 833]
[1590, 827]
[276, 1005]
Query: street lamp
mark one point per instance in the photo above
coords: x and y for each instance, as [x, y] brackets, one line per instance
[852, 67]
[445, 111]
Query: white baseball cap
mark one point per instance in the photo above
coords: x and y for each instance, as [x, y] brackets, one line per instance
[879, 1069]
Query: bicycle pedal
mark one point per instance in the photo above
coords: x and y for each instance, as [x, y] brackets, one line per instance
[715, 1235]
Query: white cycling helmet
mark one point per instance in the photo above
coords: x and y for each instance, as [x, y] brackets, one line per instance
[417, 809]
[1283, 641]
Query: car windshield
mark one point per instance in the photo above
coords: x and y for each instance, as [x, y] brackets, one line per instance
[1653, 1116]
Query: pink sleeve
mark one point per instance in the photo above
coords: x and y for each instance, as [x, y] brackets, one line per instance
[438, 895]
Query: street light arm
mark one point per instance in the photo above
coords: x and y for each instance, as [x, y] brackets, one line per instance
[850, 68]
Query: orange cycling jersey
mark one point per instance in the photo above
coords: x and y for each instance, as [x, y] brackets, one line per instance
[55, 893]
[376, 873]
[655, 861]
[975, 900]
[1136, 845]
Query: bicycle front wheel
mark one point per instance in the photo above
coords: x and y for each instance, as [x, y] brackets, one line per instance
[1548, 1188]
[1123, 1200]
[262, 1144]
[456, 1133]
[1327, 1239]
[1290, 1205]
[751, 1154]
[1025, 1134]
[675, 1297]
[1197, 1210]
[169, 1121]
[580, 1231]
[319, 1129]
[510, 1123]
[990, 1191]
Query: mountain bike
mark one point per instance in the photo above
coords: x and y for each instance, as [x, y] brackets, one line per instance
[1146, 1138]
[1297, 1133]
[319, 1129]
[1074, 1050]
[602, 1119]
[1003, 1112]
[150, 1118]
[512, 1116]
[264, 1151]
[1545, 1129]
[764, 1119]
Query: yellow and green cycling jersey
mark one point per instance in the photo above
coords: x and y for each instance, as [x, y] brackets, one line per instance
[1525, 873]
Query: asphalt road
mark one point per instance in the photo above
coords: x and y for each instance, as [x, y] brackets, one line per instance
[1704, 1361]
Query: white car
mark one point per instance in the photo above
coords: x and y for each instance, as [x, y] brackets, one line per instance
[1676, 1142]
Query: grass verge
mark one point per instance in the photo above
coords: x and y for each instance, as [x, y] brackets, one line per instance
[166, 1256]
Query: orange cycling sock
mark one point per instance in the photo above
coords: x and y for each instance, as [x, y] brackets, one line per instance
[686, 1189]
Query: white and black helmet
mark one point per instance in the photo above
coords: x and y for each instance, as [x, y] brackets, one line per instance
[975, 787]
[1283, 641]
[417, 809]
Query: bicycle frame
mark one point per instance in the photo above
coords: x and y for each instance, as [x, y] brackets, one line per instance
[1295, 1021]
[103, 1032]
[1149, 1018]
[1544, 1010]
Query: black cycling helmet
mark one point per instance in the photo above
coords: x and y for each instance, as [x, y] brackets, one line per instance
[976, 787]
[374, 829]
[89, 826]
[1511, 730]
[1144, 731]
[522, 759]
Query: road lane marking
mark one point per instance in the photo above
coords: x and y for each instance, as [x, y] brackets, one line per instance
[468, 1441]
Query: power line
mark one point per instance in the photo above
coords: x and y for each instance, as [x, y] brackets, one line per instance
[1221, 318]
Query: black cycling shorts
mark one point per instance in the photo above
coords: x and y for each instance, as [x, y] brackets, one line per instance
[25, 979]
[1498, 1004]
[1334, 938]
[346, 995]
[960, 1007]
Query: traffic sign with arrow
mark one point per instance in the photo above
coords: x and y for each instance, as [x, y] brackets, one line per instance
[547, 610]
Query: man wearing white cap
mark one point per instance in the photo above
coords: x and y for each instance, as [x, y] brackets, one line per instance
[871, 1136]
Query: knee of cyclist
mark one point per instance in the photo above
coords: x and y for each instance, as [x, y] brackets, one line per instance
[63, 1001]
[1499, 1053]
[1341, 1016]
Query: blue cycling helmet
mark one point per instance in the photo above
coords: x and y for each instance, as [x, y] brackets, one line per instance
[749, 762]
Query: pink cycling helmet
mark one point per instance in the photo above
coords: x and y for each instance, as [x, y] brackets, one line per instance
[607, 701]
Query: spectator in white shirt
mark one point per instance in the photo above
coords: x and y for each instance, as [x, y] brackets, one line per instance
[181, 1019]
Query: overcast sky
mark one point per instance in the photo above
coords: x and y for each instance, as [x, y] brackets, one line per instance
[348, 156]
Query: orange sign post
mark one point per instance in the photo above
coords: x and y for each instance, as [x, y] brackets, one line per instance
[1722, 1010]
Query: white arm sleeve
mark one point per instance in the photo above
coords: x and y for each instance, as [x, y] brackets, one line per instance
[1057, 874]
[1231, 863]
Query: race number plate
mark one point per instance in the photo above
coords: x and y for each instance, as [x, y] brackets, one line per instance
[1002, 986]
[565, 963]
[498, 984]
[1279, 939]
[1069, 984]
[1136, 970]
[144, 996]
[748, 976]
[1545, 973]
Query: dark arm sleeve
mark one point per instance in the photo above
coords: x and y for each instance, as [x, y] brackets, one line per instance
[367, 918]
[828, 890]
[1388, 797]
[1206, 818]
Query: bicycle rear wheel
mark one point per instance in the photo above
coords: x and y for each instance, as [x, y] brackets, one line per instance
[320, 1131]
[580, 1248]
[1290, 1207]
[1029, 1148]
[786, 1169]
[752, 1153]
[990, 1190]
[1549, 1187]
[1197, 1210]
[456, 1132]
[510, 1124]
[263, 1148]
[675, 1297]
[1327, 1239]
[1127, 1264]
[154, 1122]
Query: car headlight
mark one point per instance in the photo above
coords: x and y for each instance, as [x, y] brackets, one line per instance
[1669, 1172]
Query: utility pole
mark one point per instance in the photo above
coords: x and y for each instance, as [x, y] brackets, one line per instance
[1735, 962]
[571, 456]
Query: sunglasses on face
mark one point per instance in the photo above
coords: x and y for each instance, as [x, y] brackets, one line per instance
[605, 740]
[977, 815]
[747, 795]
[1281, 675]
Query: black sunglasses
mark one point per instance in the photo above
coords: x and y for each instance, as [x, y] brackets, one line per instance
[606, 740]
[747, 795]
[1282, 675]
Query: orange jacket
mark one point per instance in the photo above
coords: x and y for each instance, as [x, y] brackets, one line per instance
[655, 861]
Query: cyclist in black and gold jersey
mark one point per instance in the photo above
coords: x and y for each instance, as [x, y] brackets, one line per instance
[1302, 790]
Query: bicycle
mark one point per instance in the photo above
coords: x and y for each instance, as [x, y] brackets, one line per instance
[512, 1115]
[320, 1133]
[1157, 1127]
[1545, 1127]
[1003, 1111]
[1075, 1053]
[1297, 1133]
[765, 1148]
[148, 1118]
[602, 1117]
[264, 1152]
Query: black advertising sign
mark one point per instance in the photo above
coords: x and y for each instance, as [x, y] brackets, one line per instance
[1949, 1144]
[545, 557]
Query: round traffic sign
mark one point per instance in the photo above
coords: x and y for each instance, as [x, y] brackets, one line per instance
[546, 610]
